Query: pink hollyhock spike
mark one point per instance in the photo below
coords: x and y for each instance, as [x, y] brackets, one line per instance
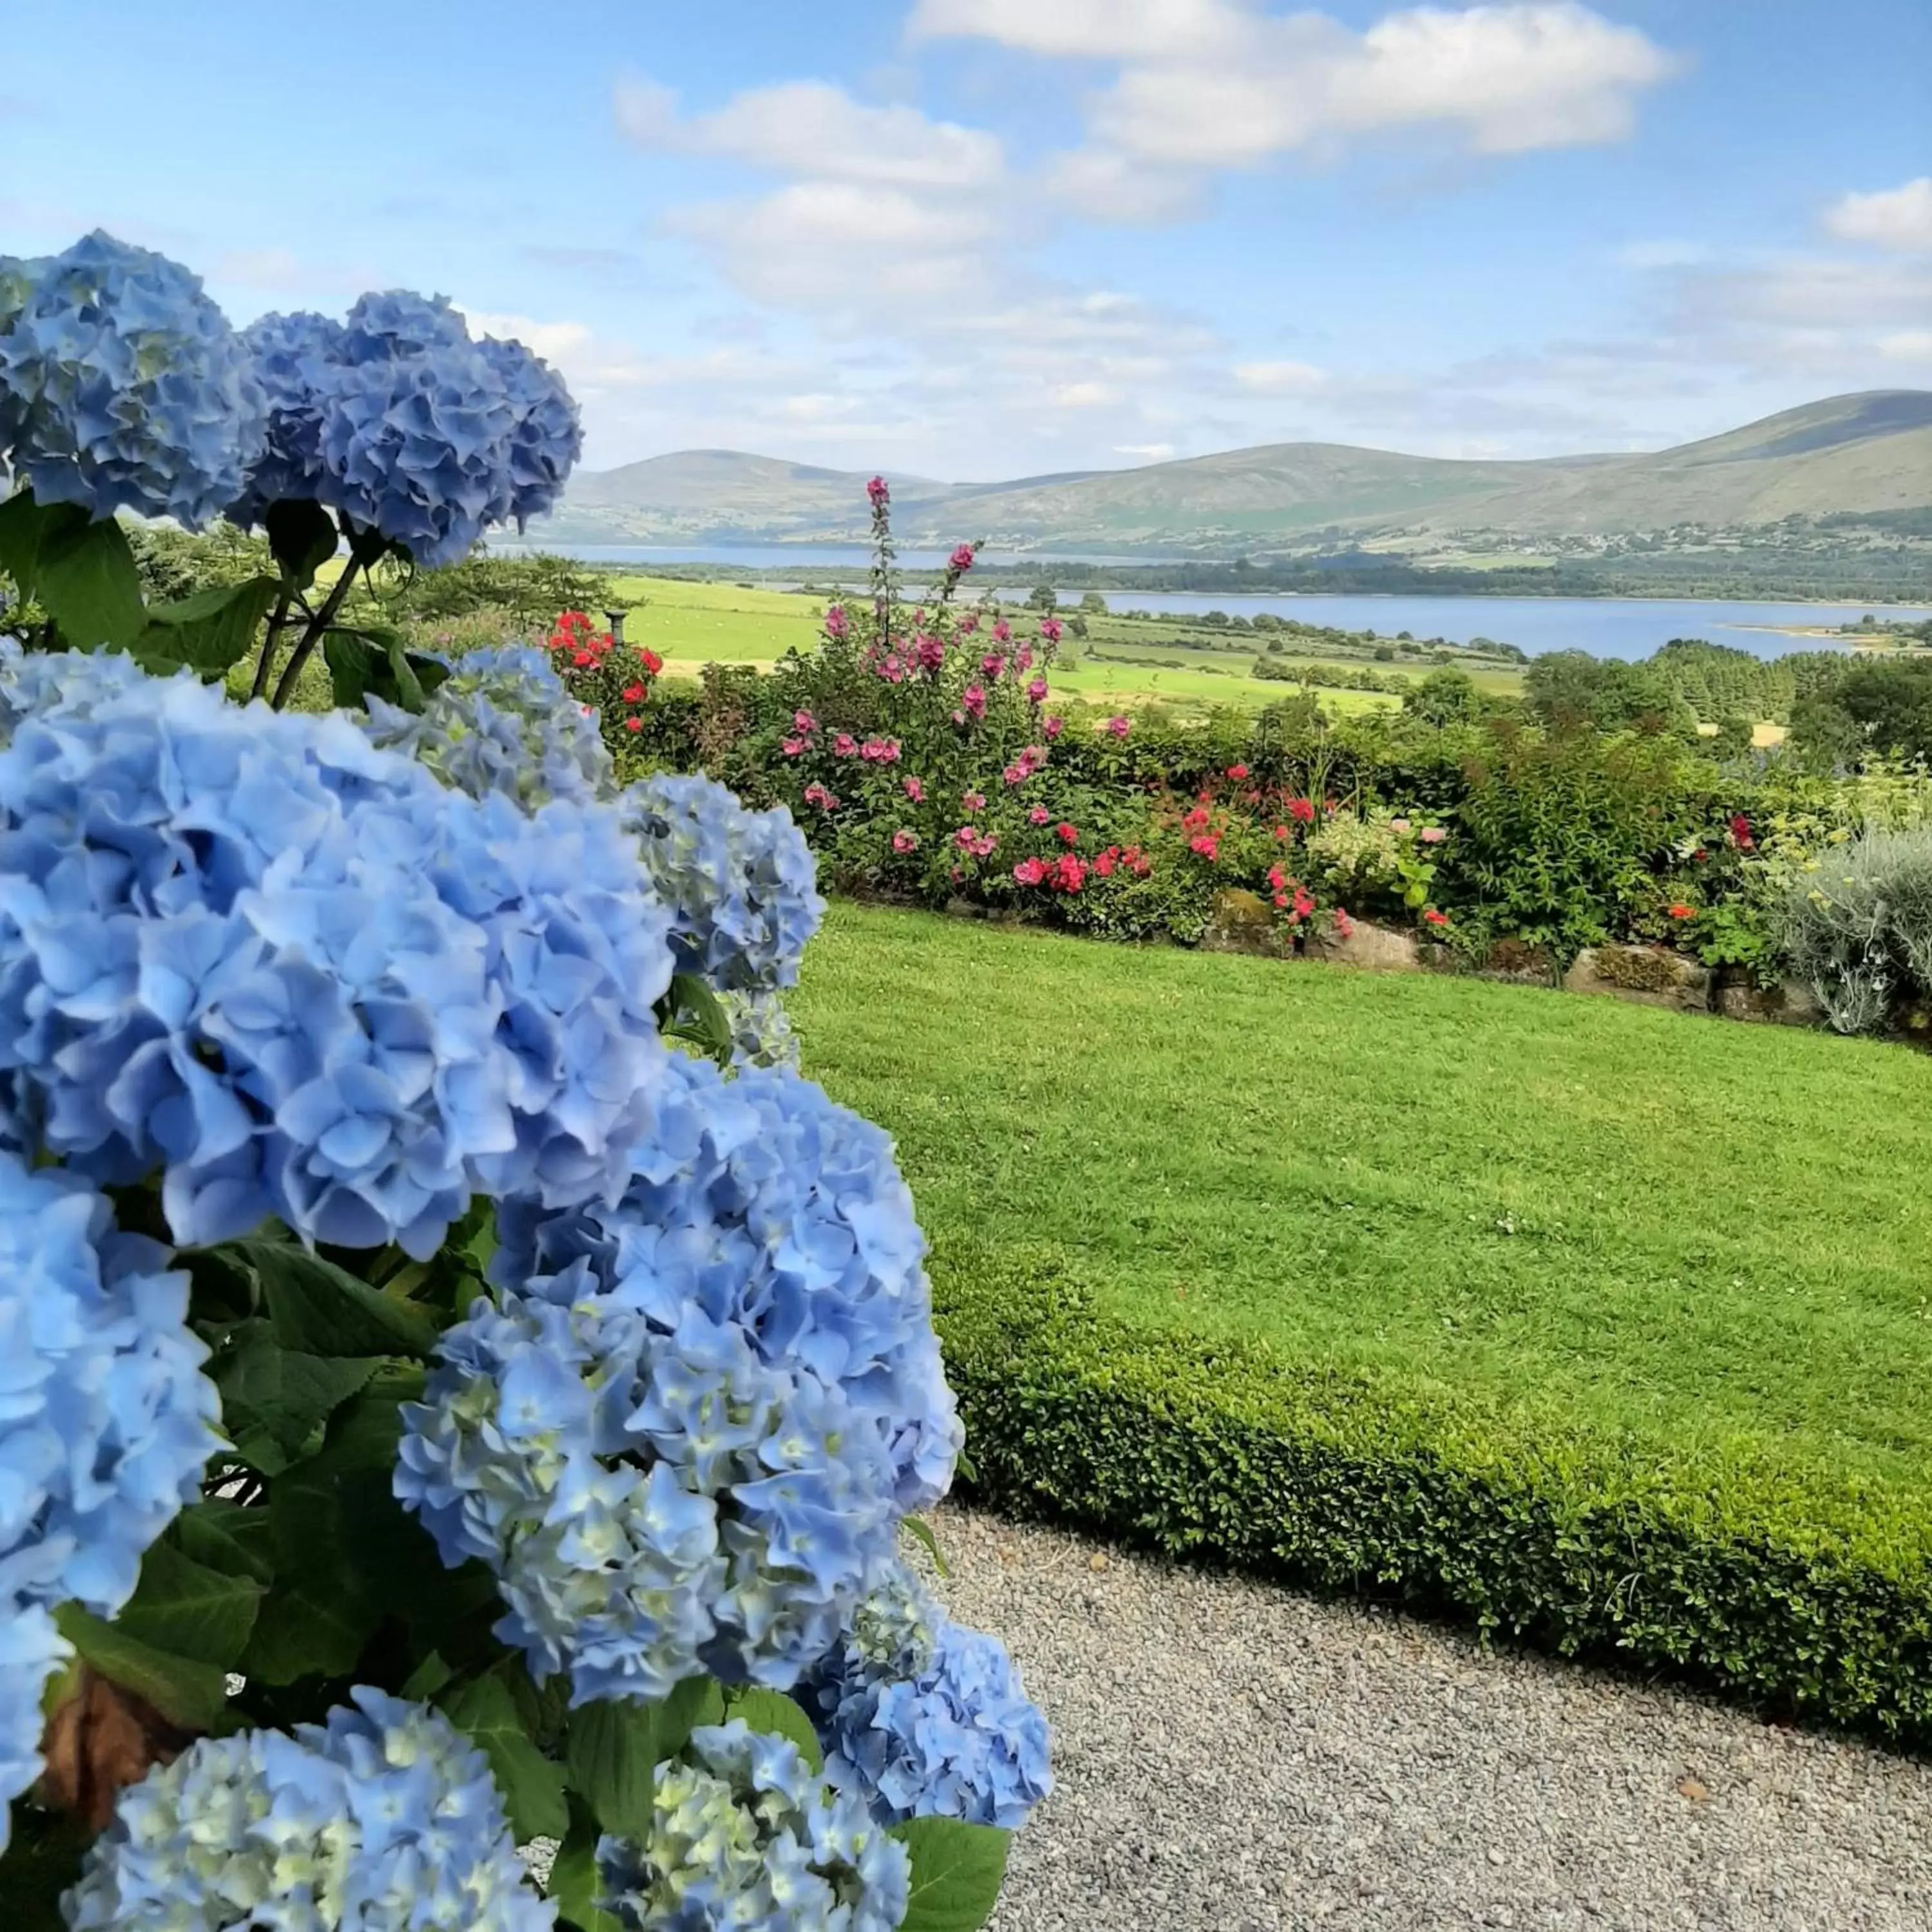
[1037, 691]
[962, 558]
[836, 622]
[1051, 629]
[1003, 632]
[992, 664]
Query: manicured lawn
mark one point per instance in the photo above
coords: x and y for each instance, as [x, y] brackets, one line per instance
[1615, 1253]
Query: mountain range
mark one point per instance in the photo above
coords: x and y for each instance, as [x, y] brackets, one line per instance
[1853, 455]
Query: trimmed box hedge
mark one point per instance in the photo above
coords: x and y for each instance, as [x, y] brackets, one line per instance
[1813, 1606]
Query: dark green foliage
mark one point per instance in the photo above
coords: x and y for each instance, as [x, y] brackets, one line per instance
[1874, 706]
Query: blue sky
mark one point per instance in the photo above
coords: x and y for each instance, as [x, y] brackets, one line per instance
[988, 237]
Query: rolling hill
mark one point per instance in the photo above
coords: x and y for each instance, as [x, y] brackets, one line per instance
[1865, 453]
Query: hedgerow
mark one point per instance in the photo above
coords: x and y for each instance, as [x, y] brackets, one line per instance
[1813, 1600]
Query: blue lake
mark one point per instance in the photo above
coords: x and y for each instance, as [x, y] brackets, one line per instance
[1606, 627]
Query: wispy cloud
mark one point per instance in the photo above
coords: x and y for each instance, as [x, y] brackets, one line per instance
[1899, 217]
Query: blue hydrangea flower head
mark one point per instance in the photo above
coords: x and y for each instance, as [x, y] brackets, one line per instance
[743, 1835]
[382, 1819]
[122, 386]
[743, 885]
[549, 435]
[654, 1503]
[417, 446]
[62, 684]
[393, 325]
[293, 357]
[761, 1031]
[291, 972]
[955, 1737]
[503, 721]
[761, 1202]
[106, 1418]
[30, 1651]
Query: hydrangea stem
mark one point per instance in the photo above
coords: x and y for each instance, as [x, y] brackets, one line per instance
[271, 641]
[365, 547]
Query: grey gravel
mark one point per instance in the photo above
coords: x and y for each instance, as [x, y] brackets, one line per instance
[1234, 1756]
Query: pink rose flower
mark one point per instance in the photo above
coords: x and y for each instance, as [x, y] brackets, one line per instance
[1398, 825]
[817, 794]
[1015, 775]
[793, 748]
[904, 840]
[973, 801]
[1431, 834]
[1120, 727]
[930, 650]
[1029, 871]
[915, 791]
[845, 745]
[803, 721]
[1038, 815]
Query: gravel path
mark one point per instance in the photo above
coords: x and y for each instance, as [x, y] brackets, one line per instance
[1234, 1758]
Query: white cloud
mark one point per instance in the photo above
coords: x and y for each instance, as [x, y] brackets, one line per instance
[1280, 378]
[810, 128]
[1897, 218]
[1909, 345]
[1086, 29]
[1662, 254]
[1205, 84]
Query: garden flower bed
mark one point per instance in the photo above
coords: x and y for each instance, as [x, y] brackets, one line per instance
[1573, 1319]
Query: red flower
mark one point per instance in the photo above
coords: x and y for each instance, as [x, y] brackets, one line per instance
[1029, 871]
[1069, 874]
[1302, 811]
[633, 694]
[633, 723]
[1683, 912]
[1742, 832]
[651, 662]
[1432, 917]
[1067, 834]
[1238, 771]
[582, 660]
[1103, 866]
[1208, 845]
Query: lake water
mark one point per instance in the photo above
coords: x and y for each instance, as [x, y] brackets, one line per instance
[1606, 627]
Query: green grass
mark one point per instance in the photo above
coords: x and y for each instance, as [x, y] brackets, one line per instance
[1532, 1240]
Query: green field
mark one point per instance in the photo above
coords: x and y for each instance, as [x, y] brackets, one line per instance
[690, 625]
[1631, 1268]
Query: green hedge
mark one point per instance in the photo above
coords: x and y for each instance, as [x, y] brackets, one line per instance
[1812, 1601]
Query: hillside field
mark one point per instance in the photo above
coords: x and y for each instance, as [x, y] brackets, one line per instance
[690, 624]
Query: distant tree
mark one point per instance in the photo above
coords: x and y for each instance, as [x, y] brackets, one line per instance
[1076, 625]
[1444, 698]
[1873, 707]
[1384, 654]
[1735, 736]
[1094, 603]
[1215, 617]
[1043, 597]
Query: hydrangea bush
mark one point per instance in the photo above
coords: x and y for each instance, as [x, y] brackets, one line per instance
[459, 1385]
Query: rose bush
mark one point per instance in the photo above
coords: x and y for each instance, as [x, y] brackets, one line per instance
[459, 1391]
